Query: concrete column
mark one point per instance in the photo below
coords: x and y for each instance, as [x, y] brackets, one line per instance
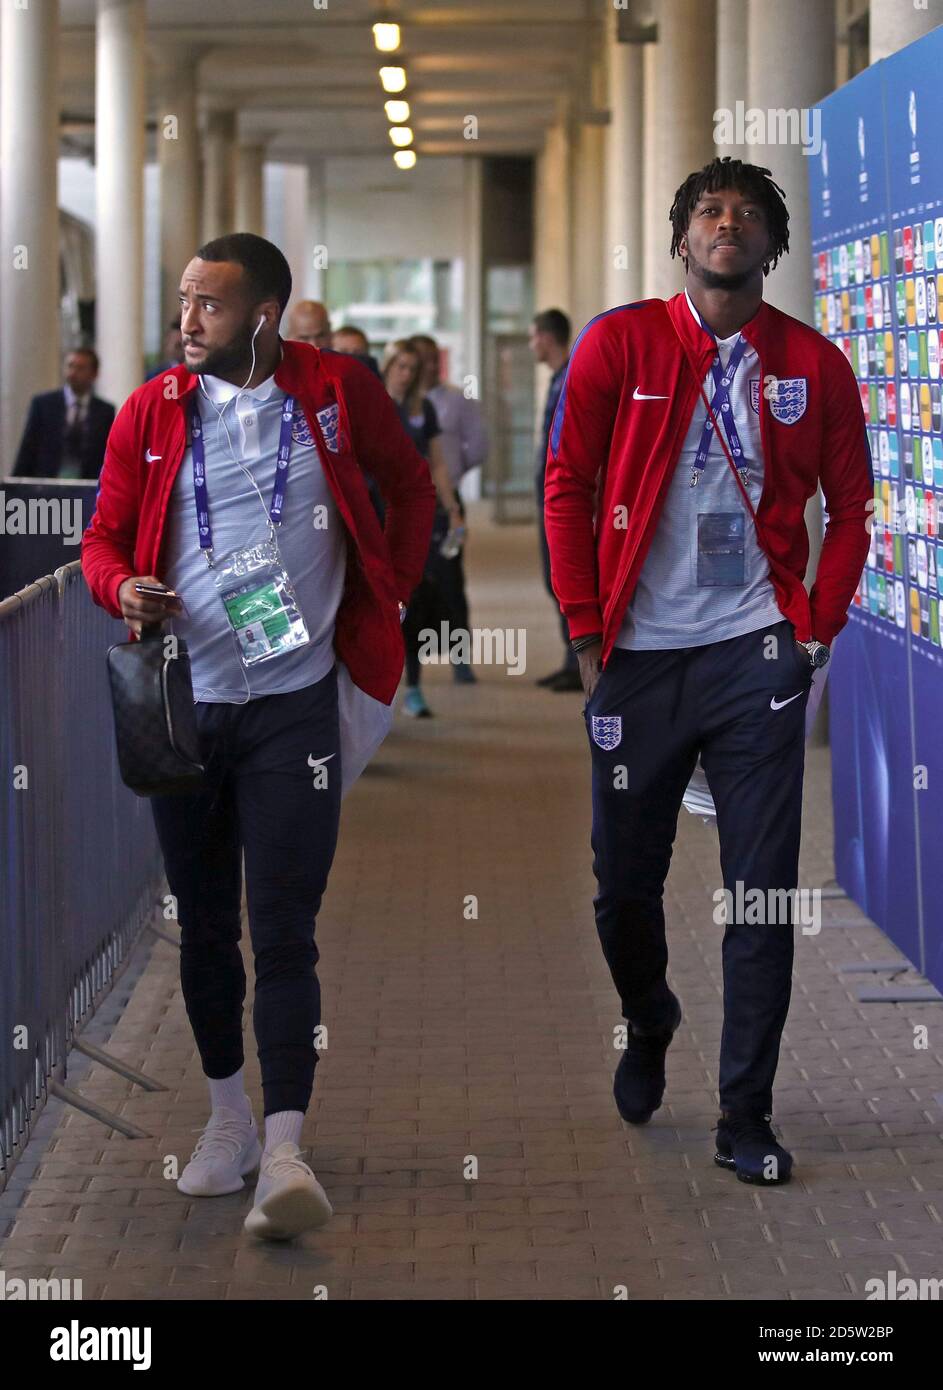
[553, 238]
[553, 252]
[894, 25]
[653, 227]
[589, 265]
[791, 66]
[622, 248]
[317, 248]
[219, 170]
[178, 158]
[29, 220]
[731, 69]
[684, 124]
[293, 241]
[473, 279]
[120, 75]
[473, 311]
[250, 159]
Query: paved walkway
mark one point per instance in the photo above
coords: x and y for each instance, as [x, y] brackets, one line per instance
[456, 1042]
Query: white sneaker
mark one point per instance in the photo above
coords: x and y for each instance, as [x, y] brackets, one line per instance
[288, 1199]
[225, 1152]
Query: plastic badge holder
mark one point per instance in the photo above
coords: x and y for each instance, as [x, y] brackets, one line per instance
[261, 604]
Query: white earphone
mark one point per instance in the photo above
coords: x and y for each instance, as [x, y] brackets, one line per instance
[258, 328]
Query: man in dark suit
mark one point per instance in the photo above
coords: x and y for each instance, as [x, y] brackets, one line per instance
[66, 430]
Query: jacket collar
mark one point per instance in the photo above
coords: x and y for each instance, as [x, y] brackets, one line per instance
[698, 341]
[221, 392]
[300, 363]
[292, 375]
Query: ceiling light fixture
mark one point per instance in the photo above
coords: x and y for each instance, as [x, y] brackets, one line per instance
[386, 37]
[405, 159]
[397, 111]
[393, 79]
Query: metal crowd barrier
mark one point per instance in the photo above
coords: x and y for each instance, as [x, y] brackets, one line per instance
[80, 867]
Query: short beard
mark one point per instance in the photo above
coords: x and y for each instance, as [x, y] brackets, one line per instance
[231, 359]
[719, 279]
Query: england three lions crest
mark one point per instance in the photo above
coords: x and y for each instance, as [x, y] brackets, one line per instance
[328, 419]
[607, 731]
[301, 430]
[787, 399]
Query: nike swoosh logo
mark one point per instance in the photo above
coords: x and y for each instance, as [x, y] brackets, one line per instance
[152, 458]
[638, 395]
[317, 762]
[778, 704]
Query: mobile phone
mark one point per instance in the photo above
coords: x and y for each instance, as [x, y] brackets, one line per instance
[152, 591]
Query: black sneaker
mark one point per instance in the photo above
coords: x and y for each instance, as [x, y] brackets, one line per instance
[639, 1083]
[746, 1144]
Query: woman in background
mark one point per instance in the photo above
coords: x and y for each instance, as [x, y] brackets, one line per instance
[401, 375]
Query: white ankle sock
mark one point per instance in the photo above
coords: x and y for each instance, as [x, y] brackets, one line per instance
[231, 1092]
[283, 1125]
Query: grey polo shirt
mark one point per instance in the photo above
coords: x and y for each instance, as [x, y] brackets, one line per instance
[669, 609]
[244, 426]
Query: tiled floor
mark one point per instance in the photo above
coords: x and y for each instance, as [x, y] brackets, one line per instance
[463, 1121]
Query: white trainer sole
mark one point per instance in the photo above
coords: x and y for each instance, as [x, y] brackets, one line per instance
[289, 1210]
[249, 1164]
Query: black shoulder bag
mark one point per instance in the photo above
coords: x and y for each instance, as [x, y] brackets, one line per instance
[155, 719]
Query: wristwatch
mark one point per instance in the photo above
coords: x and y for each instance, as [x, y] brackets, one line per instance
[819, 654]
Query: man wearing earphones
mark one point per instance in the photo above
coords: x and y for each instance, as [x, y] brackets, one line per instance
[237, 481]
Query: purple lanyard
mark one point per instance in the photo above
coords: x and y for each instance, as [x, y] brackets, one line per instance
[200, 493]
[721, 407]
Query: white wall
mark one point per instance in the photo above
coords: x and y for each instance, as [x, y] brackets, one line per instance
[376, 211]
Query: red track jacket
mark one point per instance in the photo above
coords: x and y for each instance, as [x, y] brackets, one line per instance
[148, 441]
[610, 449]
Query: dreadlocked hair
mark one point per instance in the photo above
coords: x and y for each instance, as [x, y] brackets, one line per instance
[749, 179]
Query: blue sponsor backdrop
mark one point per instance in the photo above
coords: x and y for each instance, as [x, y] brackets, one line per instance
[876, 189]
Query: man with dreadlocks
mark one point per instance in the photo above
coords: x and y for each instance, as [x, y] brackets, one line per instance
[688, 437]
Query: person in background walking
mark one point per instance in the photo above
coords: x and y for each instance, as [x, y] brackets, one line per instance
[427, 606]
[173, 350]
[309, 322]
[355, 343]
[550, 344]
[464, 441]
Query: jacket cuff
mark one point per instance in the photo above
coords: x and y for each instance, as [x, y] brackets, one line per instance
[824, 630]
[111, 593]
[584, 619]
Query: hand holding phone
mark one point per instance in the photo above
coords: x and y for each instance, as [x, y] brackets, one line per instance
[157, 590]
[144, 599]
